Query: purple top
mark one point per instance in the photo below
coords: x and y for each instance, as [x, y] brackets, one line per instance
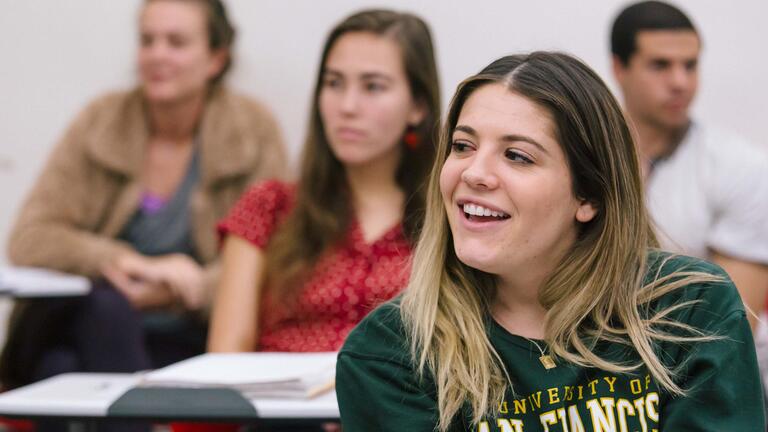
[151, 204]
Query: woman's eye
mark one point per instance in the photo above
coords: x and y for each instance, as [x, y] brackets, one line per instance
[459, 146]
[145, 40]
[331, 82]
[516, 156]
[374, 87]
[178, 41]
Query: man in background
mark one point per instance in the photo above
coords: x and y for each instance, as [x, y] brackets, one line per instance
[706, 189]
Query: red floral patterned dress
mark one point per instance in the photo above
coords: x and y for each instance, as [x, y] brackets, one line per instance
[347, 282]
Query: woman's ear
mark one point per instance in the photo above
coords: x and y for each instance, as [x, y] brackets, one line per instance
[586, 211]
[417, 113]
[217, 62]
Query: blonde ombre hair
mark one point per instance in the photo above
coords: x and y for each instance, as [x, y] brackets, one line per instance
[596, 294]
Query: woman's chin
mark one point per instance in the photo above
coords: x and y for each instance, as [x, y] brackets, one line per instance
[479, 261]
[163, 95]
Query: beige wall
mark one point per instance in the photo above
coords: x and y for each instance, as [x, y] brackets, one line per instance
[57, 55]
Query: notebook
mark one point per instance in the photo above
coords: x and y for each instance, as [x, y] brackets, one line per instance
[255, 375]
[37, 282]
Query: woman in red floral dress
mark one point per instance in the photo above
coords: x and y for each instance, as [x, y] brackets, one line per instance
[304, 263]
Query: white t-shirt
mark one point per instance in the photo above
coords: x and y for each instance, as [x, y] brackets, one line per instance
[712, 193]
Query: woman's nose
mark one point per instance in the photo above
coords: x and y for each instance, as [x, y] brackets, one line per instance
[350, 101]
[479, 174]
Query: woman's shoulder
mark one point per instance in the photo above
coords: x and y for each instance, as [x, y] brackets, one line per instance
[273, 193]
[265, 201]
[236, 103]
[111, 105]
[257, 213]
[705, 286]
[662, 263]
[380, 335]
[107, 129]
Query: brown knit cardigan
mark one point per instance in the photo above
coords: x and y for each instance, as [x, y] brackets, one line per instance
[90, 186]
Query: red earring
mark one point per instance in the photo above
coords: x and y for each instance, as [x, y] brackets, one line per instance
[412, 139]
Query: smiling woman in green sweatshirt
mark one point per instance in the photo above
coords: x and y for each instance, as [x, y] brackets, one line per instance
[538, 300]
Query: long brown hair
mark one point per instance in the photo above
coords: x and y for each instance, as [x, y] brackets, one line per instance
[322, 210]
[594, 294]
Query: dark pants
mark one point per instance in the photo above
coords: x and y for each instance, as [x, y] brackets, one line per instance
[99, 332]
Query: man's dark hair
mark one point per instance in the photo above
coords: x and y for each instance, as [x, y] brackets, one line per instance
[646, 15]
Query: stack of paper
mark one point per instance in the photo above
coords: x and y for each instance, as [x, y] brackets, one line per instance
[36, 282]
[255, 375]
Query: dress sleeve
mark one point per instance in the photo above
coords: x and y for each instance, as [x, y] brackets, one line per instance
[376, 385]
[258, 212]
[721, 377]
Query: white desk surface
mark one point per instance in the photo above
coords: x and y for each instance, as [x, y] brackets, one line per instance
[31, 282]
[91, 394]
[72, 394]
[323, 406]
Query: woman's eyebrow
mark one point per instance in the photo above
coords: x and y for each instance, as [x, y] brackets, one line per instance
[363, 75]
[505, 138]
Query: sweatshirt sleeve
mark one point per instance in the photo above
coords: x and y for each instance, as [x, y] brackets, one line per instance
[720, 377]
[376, 387]
[723, 385]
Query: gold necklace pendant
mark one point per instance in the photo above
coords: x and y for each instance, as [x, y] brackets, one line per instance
[547, 361]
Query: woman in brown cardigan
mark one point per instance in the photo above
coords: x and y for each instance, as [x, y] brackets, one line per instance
[130, 197]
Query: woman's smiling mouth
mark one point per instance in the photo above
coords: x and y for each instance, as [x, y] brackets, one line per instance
[478, 213]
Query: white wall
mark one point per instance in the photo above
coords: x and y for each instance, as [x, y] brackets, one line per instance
[55, 55]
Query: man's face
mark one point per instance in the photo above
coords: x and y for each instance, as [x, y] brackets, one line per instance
[661, 78]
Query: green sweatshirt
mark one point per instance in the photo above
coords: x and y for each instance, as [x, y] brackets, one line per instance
[378, 390]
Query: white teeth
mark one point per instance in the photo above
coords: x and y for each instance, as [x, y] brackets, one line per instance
[477, 210]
